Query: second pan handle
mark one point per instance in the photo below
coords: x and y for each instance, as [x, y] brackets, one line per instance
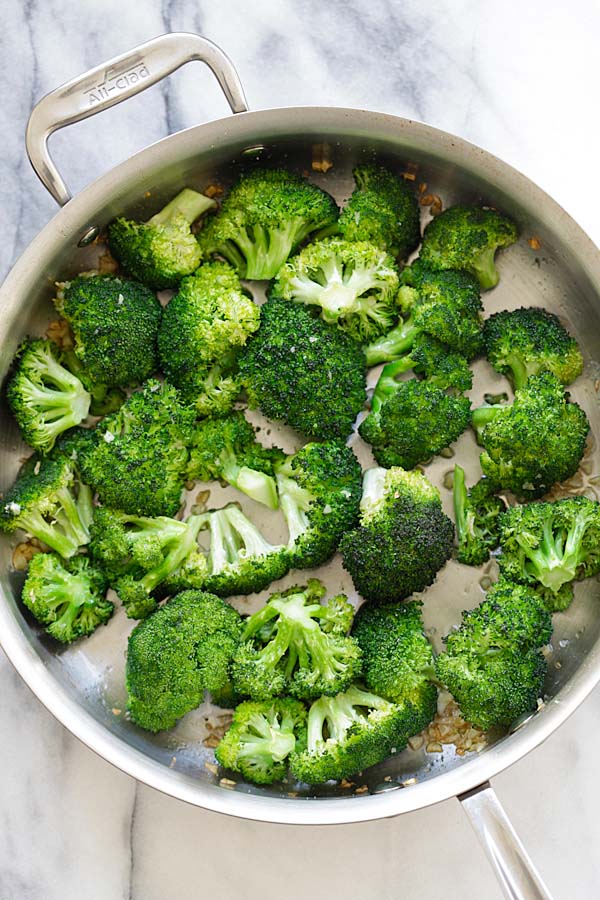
[114, 81]
[507, 855]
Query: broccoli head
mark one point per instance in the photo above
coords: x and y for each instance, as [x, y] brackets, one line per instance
[265, 216]
[350, 732]
[67, 598]
[261, 738]
[304, 372]
[534, 442]
[383, 209]
[163, 250]
[398, 659]
[226, 449]
[444, 305]
[141, 554]
[284, 649]
[410, 421]
[240, 560]
[549, 545]
[527, 341]
[44, 396]
[203, 328]
[115, 326]
[476, 514]
[403, 538]
[138, 461]
[319, 492]
[492, 664]
[468, 238]
[182, 650]
[355, 286]
[50, 502]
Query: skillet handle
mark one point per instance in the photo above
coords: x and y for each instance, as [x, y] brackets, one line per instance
[507, 855]
[114, 81]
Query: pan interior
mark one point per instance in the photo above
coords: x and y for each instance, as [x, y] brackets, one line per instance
[92, 671]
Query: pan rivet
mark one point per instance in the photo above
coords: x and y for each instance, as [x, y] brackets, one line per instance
[386, 786]
[255, 150]
[88, 236]
[522, 720]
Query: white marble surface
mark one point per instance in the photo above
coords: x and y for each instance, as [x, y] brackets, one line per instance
[521, 79]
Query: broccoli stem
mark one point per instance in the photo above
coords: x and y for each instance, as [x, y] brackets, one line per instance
[485, 269]
[257, 485]
[266, 742]
[254, 543]
[393, 344]
[483, 415]
[556, 560]
[387, 383]
[295, 503]
[519, 370]
[189, 204]
[459, 496]
[179, 548]
[373, 489]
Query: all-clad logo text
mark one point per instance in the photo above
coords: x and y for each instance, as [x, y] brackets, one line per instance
[115, 81]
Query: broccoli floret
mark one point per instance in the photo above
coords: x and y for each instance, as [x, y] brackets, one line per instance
[141, 554]
[115, 326]
[67, 598]
[349, 733]
[403, 538]
[161, 251]
[445, 305]
[304, 372]
[139, 458]
[534, 442]
[492, 664]
[476, 514]
[398, 659]
[383, 209]
[203, 328]
[266, 215]
[45, 397]
[241, 560]
[319, 491]
[355, 286]
[50, 502]
[527, 341]
[410, 421]
[226, 449]
[468, 238]
[261, 738]
[549, 545]
[284, 650]
[176, 654]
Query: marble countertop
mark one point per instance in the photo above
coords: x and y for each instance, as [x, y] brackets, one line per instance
[520, 79]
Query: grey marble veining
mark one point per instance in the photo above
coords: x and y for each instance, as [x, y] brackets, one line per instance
[519, 79]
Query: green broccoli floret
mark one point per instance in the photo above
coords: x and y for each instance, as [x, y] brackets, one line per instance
[383, 209]
[319, 491]
[304, 372]
[67, 598]
[445, 305]
[549, 545]
[139, 459]
[350, 732]
[403, 538]
[161, 251]
[476, 514]
[398, 661]
[527, 341]
[261, 737]
[115, 326]
[182, 650]
[141, 554]
[468, 238]
[50, 502]
[44, 396]
[265, 216]
[226, 449]
[241, 560]
[410, 421]
[284, 650]
[203, 328]
[492, 664]
[355, 286]
[534, 442]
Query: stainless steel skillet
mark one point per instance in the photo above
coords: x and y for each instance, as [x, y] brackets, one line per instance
[83, 686]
